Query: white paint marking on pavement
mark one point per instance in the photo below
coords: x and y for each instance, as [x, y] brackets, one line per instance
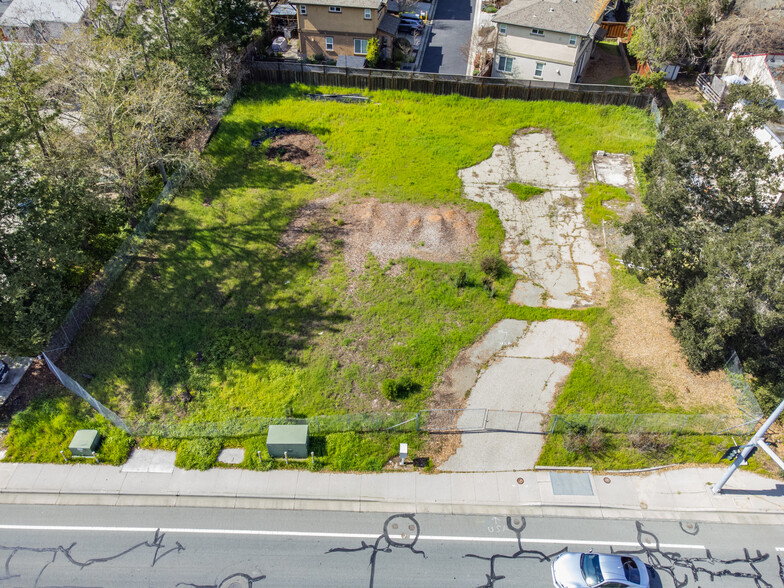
[325, 535]
[780, 549]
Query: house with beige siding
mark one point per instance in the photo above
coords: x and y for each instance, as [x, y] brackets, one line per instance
[343, 27]
[548, 40]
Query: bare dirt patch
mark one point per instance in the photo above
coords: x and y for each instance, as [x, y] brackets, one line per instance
[303, 149]
[390, 230]
[643, 339]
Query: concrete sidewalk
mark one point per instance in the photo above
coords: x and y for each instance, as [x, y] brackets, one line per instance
[680, 494]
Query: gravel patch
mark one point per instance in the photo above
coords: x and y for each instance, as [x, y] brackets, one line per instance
[547, 241]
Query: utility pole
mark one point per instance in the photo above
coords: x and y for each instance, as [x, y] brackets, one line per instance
[756, 441]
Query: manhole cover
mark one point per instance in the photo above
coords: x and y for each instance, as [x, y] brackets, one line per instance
[520, 481]
[411, 528]
[394, 525]
[606, 480]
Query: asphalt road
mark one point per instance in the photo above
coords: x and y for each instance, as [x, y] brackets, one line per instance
[128, 547]
[451, 30]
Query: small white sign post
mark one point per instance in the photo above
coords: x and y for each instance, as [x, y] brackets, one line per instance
[403, 453]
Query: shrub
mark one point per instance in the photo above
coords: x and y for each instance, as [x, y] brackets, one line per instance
[197, 454]
[489, 8]
[654, 80]
[400, 388]
[492, 265]
[461, 279]
[578, 441]
[115, 446]
[373, 52]
[651, 442]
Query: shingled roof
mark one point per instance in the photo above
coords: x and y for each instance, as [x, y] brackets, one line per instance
[564, 16]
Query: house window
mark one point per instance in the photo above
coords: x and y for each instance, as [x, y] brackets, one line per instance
[539, 70]
[505, 64]
[303, 9]
[502, 28]
[572, 40]
[335, 9]
[537, 32]
[329, 42]
[368, 14]
[360, 46]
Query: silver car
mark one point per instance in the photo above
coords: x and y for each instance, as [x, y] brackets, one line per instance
[589, 570]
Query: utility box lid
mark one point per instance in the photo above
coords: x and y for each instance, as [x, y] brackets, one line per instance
[292, 439]
[84, 443]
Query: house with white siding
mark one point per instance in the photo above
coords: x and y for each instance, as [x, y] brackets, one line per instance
[548, 40]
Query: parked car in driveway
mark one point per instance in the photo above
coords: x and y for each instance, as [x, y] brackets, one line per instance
[599, 570]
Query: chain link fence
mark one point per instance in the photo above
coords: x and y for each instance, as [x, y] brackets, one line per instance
[460, 421]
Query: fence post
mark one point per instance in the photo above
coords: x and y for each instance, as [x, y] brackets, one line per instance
[433, 84]
[721, 420]
[555, 422]
[417, 421]
[370, 74]
[631, 429]
[411, 80]
[346, 76]
[503, 89]
[686, 420]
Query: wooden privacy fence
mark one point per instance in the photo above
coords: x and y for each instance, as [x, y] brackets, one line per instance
[281, 72]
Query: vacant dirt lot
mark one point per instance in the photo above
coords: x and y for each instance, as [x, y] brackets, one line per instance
[644, 340]
[387, 230]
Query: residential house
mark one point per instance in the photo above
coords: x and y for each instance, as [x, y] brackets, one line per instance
[549, 40]
[343, 27]
[38, 20]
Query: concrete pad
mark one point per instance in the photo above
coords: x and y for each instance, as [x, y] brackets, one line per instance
[615, 169]
[232, 455]
[511, 492]
[546, 236]
[156, 500]
[88, 499]
[140, 483]
[620, 492]
[150, 460]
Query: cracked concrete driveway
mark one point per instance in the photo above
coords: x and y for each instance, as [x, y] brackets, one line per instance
[522, 377]
[547, 241]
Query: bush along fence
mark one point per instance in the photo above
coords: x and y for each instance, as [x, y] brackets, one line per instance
[83, 308]
[281, 72]
[458, 421]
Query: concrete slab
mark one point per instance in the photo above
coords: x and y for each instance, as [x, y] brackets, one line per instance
[549, 338]
[462, 488]
[282, 483]
[310, 485]
[231, 455]
[253, 484]
[6, 471]
[546, 236]
[345, 487]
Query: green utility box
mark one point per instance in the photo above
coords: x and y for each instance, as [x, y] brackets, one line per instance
[291, 439]
[84, 443]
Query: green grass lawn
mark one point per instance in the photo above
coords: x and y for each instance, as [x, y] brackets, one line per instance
[596, 196]
[214, 320]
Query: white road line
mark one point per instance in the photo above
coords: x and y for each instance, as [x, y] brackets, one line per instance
[326, 535]
[780, 549]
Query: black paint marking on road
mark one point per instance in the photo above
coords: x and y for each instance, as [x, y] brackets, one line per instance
[673, 563]
[517, 525]
[238, 580]
[50, 555]
[404, 528]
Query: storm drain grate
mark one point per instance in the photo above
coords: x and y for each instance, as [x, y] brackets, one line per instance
[569, 484]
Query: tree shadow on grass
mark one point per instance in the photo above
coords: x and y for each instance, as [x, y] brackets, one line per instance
[210, 289]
